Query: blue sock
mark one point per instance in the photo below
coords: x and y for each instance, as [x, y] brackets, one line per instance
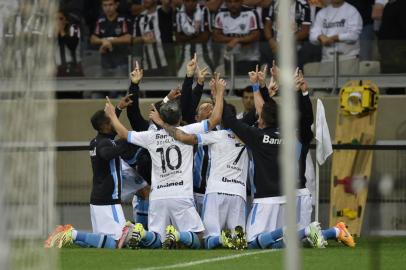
[142, 212]
[278, 244]
[212, 242]
[253, 245]
[264, 240]
[329, 233]
[151, 240]
[95, 240]
[190, 239]
[82, 244]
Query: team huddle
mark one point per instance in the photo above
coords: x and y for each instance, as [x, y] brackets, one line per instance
[198, 176]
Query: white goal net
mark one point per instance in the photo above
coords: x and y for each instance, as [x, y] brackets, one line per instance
[27, 121]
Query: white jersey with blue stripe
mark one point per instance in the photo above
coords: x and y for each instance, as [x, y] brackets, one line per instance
[172, 161]
[228, 163]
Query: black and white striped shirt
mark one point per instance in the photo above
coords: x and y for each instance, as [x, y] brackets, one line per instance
[160, 24]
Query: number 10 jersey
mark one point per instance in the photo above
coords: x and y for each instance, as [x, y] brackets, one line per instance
[172, 161]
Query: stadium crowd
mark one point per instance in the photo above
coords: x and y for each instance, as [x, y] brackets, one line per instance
[164, 35]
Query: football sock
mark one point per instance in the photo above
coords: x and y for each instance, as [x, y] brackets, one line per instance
[141, 212]
[331, 233]
[93, 240]
[151, 240]
[189, 239]
[212, 242]
[271, 239]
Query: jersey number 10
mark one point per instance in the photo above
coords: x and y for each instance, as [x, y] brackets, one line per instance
[165, 157]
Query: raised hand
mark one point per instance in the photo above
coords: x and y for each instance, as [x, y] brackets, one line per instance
[155, 117]
[137, 74]
[275, 71]
[303, 86]
[125, 102]
[253, 75]
[261, 75]
[109, 108]
[191, 67]
[175, 93]
[273, 87]
[220, 86]
[201, 74]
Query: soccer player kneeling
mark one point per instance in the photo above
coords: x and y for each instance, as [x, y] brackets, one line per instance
[172, 214]
[224, 203]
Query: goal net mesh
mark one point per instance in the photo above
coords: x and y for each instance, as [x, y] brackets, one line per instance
[27, 121]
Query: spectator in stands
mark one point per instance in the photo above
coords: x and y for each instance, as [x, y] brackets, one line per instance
[299, 17]
[377, 12]
[67, 55]
[238, 27]
[153, 31]
[367, 35]
[337, 27]
[113, 38]
[193, 25]
[392, 39]
[247, 101]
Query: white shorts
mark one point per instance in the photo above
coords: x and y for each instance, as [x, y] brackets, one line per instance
[108, 220]
[131, 183]
[181, 213]
[199, 198]
[303, 207]
[264, 217]
[222, 211]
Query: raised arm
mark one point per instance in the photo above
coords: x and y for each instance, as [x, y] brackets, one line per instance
[215, 117]
[258, 100]
[137, 121]
[306, 117]
[121, 130]
[186, 97]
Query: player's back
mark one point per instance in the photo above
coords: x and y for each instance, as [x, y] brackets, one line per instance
[172, 161]
[228, 163]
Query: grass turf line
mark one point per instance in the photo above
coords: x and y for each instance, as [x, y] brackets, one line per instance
[389, 253]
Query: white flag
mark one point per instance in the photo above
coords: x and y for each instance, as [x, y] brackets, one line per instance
[323, 140]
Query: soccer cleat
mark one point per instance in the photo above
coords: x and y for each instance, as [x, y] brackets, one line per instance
[137, 235]
[239, 239]
[226, 239]
[315, 236]
[171, 238]
[60, 237]
[126, 235]
[344, 235]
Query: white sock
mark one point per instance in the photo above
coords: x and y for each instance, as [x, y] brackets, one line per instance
[74, 234]
[307, 231]
[337, 231]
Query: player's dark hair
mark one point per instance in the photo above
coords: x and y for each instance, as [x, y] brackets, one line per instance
[98, 119]
[270, 113]
[170, 112]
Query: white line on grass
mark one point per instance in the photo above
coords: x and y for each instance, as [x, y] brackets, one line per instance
[216, 259]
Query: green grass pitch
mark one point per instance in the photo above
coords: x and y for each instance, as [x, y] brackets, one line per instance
[370, 253]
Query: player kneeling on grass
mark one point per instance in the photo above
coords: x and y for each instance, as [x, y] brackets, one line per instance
[108, 222]
[225, 199]
[171, 200]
